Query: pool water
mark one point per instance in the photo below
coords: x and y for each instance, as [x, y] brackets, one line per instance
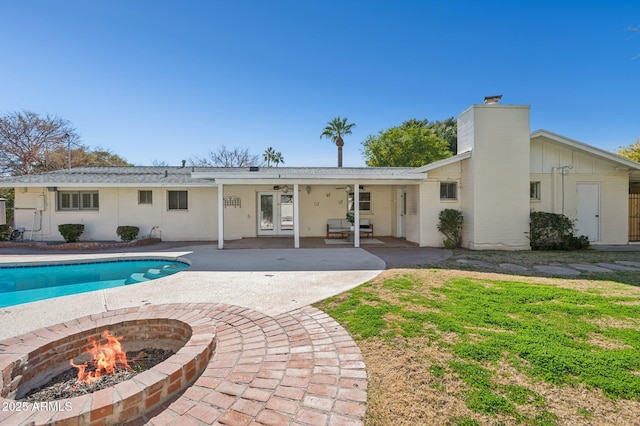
[25, 284]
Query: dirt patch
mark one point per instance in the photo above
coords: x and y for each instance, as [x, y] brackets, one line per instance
[597, 339]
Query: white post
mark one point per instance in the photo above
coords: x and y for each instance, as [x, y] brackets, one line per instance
[356, 215]
[220, 216]
[296, 217]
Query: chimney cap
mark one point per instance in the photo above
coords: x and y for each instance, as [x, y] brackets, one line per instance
[492, 99]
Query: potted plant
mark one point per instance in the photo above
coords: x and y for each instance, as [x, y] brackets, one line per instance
[351, 218]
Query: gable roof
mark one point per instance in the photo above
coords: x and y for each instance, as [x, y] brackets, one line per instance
[442, 163]
[586, 149]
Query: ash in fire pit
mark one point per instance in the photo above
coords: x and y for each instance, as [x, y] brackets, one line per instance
[66, 385]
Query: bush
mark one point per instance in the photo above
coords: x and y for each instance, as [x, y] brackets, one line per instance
[127, 233]
[554, 231]
[450, 223]
[71, 231]
[5, 232]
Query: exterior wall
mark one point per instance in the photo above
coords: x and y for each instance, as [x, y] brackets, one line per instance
[329, 202]
[432, 205]
[560, 169]
[119, 206]
[498, 208]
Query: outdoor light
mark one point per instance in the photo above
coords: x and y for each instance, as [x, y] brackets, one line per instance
[308, 189]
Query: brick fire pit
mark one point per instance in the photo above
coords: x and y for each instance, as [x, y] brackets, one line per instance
[237, 366]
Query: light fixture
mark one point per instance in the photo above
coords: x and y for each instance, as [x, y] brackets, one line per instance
[308, 189]
[285, 189]
[347, 188]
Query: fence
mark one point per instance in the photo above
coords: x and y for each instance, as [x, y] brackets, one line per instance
[634, 217]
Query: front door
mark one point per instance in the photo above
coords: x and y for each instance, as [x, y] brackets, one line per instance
[588, 210]
[275, 213]
[402, 212]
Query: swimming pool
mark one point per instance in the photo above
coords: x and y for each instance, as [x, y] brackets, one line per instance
[23, 284]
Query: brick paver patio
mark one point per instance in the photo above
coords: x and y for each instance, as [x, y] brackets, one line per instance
[298, 368]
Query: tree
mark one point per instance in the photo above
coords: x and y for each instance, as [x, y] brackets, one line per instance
[268, 155]
[632, 151]
[447, 130]
[272, 156]
[335, 130]
[278, 158]
[81, 156]
[223, 157]
[412, 144]
[26, 140]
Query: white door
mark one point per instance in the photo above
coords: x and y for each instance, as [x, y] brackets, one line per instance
[275, 213]
[402, 212]
[588, 210]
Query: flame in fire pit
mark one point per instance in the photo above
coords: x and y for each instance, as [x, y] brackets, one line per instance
[106, 358]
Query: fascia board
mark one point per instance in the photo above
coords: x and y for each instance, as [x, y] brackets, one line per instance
[342, 181]
[442, 163]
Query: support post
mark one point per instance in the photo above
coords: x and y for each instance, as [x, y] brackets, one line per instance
[356, 215]
[220, 216]
[296, 217]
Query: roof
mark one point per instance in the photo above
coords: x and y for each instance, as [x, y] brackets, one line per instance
[442, 163]
[587, 149]
[165, 176]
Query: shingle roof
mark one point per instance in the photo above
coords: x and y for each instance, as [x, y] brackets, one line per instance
[186, 176]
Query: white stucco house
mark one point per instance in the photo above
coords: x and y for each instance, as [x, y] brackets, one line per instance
[501, 172]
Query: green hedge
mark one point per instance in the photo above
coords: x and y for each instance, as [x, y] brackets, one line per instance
[127, 233]
[450, 224]
[71, 231]
[554, 231]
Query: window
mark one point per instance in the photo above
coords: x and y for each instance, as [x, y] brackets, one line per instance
[365, 202]
[178, 200]
[448, 191]
[78, 200]
[534, 190]
[145, 197]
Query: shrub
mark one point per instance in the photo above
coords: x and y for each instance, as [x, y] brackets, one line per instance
[450, 223]
[127, 233]
[71, 231]
[5, 232]
[554, 231]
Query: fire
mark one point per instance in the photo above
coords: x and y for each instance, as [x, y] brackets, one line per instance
[106, 359]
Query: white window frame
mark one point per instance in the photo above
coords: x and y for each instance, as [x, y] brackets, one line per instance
[78, 200]
[534, 191]
[148, 198]
[366, 206]
[447, 196]
[179, 206]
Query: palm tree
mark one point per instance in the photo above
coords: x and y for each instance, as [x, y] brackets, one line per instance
[268, 156]
[335, 130]
[277, 158]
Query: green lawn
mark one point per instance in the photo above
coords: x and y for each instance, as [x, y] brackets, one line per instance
[496, 345]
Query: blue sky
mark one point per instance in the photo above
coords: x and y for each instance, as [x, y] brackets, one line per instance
[162, 81]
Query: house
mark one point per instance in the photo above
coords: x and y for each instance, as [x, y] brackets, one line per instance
[500, 174]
